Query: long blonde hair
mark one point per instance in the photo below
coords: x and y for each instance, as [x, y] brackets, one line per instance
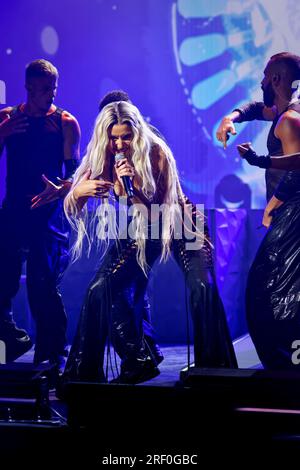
[143, 142]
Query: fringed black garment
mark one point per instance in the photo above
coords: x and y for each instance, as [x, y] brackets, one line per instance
[108, 315]
[273, 289]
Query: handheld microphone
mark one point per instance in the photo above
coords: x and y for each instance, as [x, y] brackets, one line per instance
[126, 179]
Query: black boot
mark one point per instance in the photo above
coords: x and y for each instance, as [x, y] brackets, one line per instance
[135, 371]
[9, 328]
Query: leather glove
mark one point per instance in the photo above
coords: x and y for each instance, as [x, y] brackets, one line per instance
[262, 161]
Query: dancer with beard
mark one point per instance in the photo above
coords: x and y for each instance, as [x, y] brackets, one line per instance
[272, 295]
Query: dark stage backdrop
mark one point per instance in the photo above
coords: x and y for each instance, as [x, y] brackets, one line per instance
[184, 63]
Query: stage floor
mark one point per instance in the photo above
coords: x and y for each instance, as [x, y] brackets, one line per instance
[176, 358]
[216, 415]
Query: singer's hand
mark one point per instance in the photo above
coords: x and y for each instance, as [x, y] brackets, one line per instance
[92, 188]
[123, 168]
[51, 192]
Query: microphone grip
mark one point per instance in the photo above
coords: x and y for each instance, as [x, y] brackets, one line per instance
[126, 179]
[128, 185]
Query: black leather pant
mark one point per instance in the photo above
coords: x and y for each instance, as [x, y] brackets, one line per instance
[108, 315]
[212, 341]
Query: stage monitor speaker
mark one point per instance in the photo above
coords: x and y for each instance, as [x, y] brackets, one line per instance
[247, 387]
[124, 419]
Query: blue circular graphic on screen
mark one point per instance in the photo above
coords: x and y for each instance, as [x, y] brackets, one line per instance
[220, 48]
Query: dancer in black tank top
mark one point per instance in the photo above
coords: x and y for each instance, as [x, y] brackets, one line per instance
[41, 143]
